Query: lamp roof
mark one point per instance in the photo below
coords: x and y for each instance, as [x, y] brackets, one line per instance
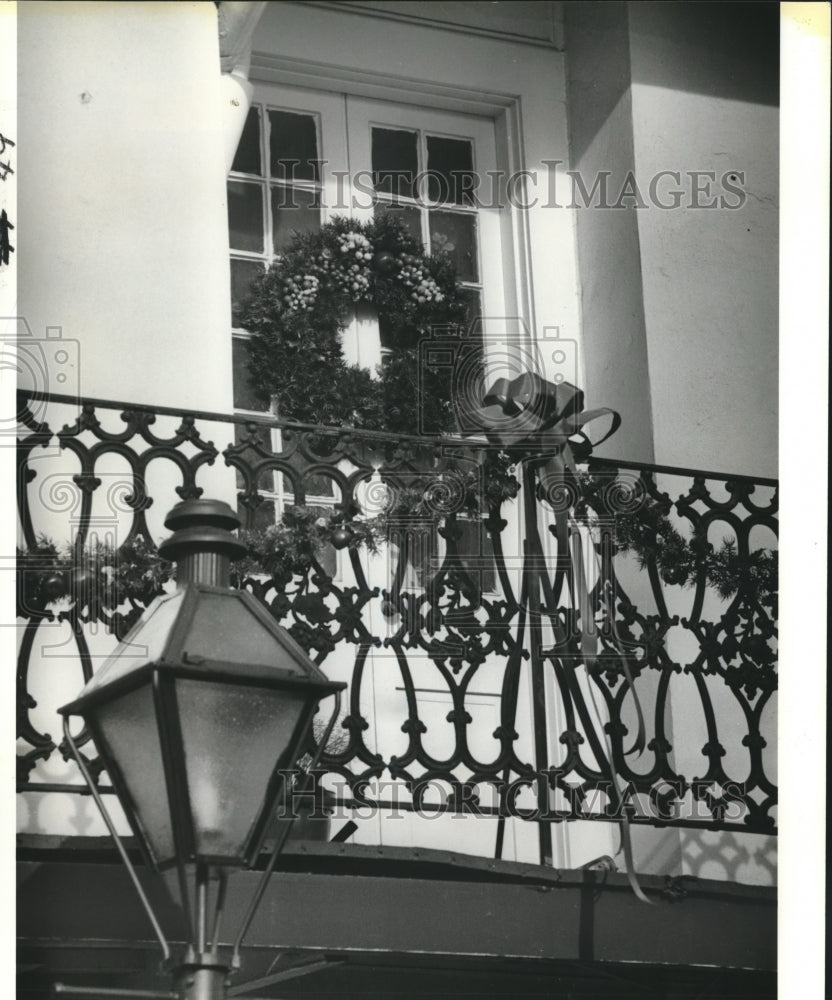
[209, 631]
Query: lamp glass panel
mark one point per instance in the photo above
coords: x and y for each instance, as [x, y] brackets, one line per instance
[233, 736]
[225, 629]
[128, 725]
[144, 643]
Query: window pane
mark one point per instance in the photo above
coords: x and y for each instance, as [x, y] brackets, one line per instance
[245, 216]
[294, 210]
[293, 147]
[319, 486]
[451, 178]
[314, 486]
[456, 235]
[243, 272]
[395, 162]
[247, 158]
[411, 217]
[473, 311]
[244, 396]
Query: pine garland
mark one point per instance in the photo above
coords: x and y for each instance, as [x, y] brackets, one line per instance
[649, 534]
[98, 578]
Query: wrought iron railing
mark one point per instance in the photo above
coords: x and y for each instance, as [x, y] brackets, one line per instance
[585, 618]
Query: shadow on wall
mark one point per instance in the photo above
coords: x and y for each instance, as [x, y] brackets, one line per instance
[598, 62]
[730, 857]
[729, 50]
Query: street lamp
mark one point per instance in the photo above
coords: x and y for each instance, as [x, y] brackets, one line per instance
[197, 716]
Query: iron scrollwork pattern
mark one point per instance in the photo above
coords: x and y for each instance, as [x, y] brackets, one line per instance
[447, 602]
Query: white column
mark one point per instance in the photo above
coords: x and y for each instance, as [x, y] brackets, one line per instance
[122, 226]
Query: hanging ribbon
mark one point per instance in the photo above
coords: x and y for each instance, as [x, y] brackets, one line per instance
[533, 418]
[541, 423]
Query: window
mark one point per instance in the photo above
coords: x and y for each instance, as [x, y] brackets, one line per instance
[428, 182]
[307, 156]
[276, 188]
[431, 169]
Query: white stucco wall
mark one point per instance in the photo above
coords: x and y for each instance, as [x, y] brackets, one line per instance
[704, 103]
[679, 304]
[703, 100]
[122, 227]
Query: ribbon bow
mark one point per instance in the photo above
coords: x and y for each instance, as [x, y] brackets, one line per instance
[530, 410]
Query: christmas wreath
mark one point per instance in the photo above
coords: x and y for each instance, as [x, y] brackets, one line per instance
[296, 312]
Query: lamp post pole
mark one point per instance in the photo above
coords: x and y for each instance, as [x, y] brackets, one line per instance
[197, 733]
[204, 979]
